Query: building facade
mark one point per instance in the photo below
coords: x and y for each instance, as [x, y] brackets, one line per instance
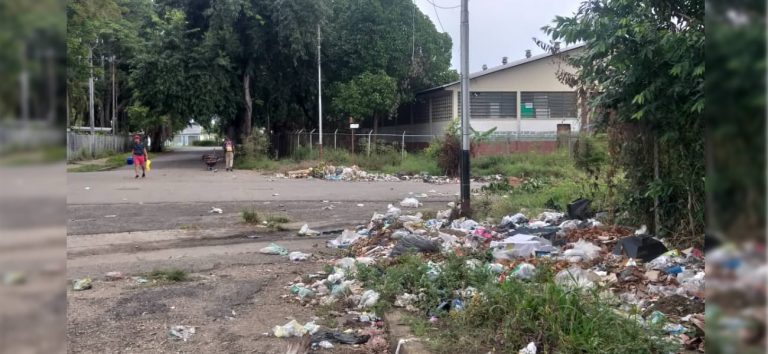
[521, 98]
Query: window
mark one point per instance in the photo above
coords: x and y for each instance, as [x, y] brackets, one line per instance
[442, 108]
[492, 105]
[548, 105]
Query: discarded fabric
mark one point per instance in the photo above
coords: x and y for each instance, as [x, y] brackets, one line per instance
[274, 249]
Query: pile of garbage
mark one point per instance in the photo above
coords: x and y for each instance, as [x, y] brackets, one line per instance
[355, 173]
[643, 274]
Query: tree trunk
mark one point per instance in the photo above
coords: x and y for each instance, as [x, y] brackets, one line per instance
[248, 103]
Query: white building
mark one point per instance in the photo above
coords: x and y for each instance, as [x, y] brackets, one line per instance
[191, 133]
[521, 97]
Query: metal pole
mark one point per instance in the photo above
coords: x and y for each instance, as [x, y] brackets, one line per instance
[334, 138]
[90, 99]
[402, 147]
[369, 143]
[465, 205]
[319, 95]
[310, 139]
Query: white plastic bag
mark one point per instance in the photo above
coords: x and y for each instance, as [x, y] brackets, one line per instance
[576, 277]
[368, 299]
[306, 231]
[524, 271]
[298, 256]
[410, 203]
[529, 349]
[582, 251]
[274, 249]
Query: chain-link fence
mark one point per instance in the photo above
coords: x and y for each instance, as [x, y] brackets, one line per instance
[366, 142]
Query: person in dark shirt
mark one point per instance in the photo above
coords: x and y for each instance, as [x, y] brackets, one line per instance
[140, 156]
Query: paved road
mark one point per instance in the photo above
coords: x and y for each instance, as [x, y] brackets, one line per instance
[181, 177]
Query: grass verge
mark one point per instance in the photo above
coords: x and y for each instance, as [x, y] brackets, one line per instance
[111, 162]
[504, 317]
[172, 275]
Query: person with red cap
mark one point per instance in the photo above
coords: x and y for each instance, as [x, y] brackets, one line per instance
[140, 156]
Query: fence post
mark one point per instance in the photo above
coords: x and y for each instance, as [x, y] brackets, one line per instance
[334, 138]
[298, 139]
[508, 141]
[402, 147]
[369, 143]
[310, 140]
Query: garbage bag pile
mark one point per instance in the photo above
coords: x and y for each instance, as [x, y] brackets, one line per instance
[640, 271]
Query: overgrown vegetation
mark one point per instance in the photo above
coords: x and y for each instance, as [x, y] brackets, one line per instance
[206, 143]
[111, 162]
[647, 95]
[250, 216]
[171, 275]
[504, 317]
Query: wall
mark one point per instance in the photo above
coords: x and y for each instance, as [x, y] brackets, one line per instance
[79, 145]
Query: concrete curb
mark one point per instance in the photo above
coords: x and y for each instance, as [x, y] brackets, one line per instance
[402, 341]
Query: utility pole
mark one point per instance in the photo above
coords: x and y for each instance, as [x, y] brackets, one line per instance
[114, 97]
[24, 83]
[90, 99]
[464, 163]
[319, 95]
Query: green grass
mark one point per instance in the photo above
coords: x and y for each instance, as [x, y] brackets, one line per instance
[556, 165]
[245, 163]
[508, 315]
[172, 275]
[112, 162]
[250, 216]
[206, 143]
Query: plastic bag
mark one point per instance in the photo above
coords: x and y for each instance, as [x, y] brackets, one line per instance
[550, 217]
[512, 221]
[181, 332]
[298, 256]
[82, 284]
[399, 234]
[529, 349]
[410, 218]
[524, 271]
[345, 263]
[413, 243]
[368, 299]
[520, 246]
[410, 203]
[346, 238]
[148, 165]
[576, 277]
[583, 250]
[392, 211]
[495, 268]
[306, 231]
[274, 249]
[290, 329]
[339, 337]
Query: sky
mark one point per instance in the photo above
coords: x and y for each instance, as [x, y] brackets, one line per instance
[497, 28]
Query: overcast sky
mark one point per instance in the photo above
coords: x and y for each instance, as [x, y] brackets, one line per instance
[497, 28]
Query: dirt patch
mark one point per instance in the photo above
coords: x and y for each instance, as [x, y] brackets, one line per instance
[152, 300]
[676, 305]
[227, 298]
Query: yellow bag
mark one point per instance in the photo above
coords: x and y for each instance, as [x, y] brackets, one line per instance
[148, 163]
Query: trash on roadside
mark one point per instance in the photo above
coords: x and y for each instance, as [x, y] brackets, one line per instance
[579, 209]
[298, 256]
[114, 276]
[368, 299]
[576, 277]
[82, 284]
[325, 344]
[345, 263]
[290, 329]
[140, 280]
[274, 249]
[519, 246]
[524, 271]
[644, 247]
[413, 243]
[410, 203]
[551, 217]
[306, 231]
[346, 238]
[14, 278]
[215, 210]
[181, 332]
[582, 251]
[339, 337]
[529, 349]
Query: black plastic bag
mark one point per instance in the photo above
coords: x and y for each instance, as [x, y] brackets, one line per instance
[643, 247]
[413, 243]
[579, 209]
[339, 337]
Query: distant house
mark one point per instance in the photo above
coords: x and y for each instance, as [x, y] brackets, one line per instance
[522, 98]
[190, 134]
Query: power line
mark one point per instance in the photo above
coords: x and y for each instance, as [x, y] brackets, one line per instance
[443, 7]
[437, 15]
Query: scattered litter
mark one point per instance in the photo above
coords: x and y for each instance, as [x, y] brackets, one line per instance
[361, 205]
[290, 329]
[576, 277]
[368, 299]
[298, 256]
[215, 210]
[274, 249]
[524, 271]
[582, 251]
[520, 246]
[87, 188]
[529, 349]
[114, 275]
[325, 344]
[82, 284]
[339, 337]
[306, 231]
[643, 247]
[14, 278]
[410, 203]
[181, 332]
[140, 280]
[414, 243]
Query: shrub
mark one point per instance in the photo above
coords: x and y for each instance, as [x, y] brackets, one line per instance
[250, 216]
